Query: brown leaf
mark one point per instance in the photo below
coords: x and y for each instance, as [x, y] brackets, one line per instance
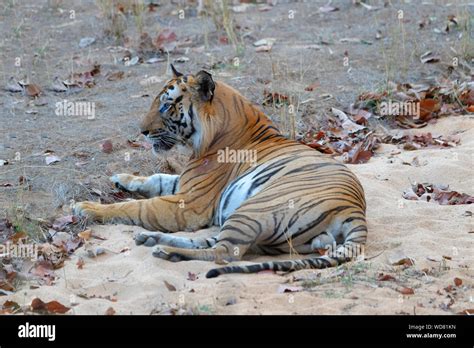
[361, 152]
[311, 87]
[107, 146]
[385, 277]
[86, 234]
[5, 285]
[9, 307]
[192, 276]
[405, 291]
[404, 262]
[81, 79]
[18, 237]
[457, 281]
[44, 270]
[32, 90]
[37, 305]
[372, 96]
[72, 244]
[52, 307]
[439, 194]
[56, 307]
[80, 263]
[60, 223]
[110, 311]
[165, 39]
[428, 107]
[274, 98]
[115, 76]
[408, 122]
[169, 286]
[467, 97]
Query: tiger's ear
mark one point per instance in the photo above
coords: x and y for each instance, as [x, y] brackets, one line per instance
[176, 73]
[206, 86]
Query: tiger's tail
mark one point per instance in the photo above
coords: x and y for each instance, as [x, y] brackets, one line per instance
[344, 253]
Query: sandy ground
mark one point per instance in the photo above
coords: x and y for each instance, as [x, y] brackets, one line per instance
[438, 238]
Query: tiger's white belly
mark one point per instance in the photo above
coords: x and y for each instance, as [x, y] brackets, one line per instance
[242, 188]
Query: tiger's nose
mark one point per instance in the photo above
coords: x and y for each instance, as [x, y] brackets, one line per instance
[145, 132]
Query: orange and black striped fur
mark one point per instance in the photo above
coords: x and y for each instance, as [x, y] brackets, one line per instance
[287, 199]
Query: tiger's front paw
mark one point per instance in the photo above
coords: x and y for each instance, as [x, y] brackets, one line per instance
[127, 182]
[90, 210]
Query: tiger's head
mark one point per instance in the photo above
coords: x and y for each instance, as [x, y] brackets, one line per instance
[173, 118]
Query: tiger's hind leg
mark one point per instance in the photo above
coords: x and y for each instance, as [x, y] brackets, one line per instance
[236, 236]
[347, 243]
[152, 238]
[148, 186]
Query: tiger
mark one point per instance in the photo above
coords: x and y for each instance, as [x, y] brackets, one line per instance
[286, 199]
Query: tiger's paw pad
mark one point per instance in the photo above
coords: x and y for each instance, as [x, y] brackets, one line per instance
[161, 252]
[148, 239]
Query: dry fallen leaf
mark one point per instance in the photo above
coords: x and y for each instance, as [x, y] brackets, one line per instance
[32, 90]
[63, 221]
[115, 76]
[437, 193]
[192, 276]
[107, 146]
[274, 98]
[385, 277]
[44, 270]
[80, 263]
[311, 87]
[428, 107]
[9, 307]
[169, 286]
[165, 40]
[86, 234]
[110, 311]
[52, 307]
[405, 291]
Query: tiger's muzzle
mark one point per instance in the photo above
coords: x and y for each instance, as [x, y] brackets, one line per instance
[161, 140]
